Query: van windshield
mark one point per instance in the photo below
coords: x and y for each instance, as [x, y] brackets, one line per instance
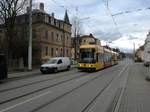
[52, 61]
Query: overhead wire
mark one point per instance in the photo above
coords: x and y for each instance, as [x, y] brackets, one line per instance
[130, 11]
[91, 28]
[113, 19]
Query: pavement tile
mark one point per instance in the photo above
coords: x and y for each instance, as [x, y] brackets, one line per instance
[136, 97]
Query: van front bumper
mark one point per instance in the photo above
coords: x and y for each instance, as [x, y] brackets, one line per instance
[47, 69]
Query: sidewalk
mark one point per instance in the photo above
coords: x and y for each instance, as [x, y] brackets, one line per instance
[28, 73]
[136, 97]
[23, 74]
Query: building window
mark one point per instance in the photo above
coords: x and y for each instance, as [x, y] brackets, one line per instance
[67, 53]
[52, 36]
[49, 51]
[46, 34]
[46, 51]
[52, 52]
[61, 38]
[56, 52]
[61, 52]
[67, 38]
[57, 37]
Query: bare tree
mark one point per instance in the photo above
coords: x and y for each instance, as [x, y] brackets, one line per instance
[76, 26]
[9, 10]
[76, 32]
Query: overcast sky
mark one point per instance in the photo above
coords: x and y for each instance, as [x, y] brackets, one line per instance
[131, 27]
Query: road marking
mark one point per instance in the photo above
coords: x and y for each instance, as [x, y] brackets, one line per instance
[26, 101]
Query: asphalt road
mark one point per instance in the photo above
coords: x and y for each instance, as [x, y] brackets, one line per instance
[68, 91]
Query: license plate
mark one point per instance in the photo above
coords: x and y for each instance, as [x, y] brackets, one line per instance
[44, 68]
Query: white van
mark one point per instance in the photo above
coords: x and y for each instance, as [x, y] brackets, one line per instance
[56, 64]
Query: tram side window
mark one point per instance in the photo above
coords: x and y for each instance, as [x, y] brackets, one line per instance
[110, 57]
[97, 57]
[105, 57]
[101, 57]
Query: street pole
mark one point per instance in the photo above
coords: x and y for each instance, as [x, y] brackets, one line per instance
[30, 38]
[75, 45]
[63, 40]
[133, 51]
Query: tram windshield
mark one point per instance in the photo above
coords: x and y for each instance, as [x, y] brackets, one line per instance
[87, 55]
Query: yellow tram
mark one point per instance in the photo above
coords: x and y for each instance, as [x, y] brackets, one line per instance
[91, 57]
[94, 57]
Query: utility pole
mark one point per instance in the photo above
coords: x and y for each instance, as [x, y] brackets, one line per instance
[30, 38]
[134, 49]
[63, 39]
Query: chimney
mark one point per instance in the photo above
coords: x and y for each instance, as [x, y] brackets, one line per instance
[42, 6]
[28, 9]
[53, 14]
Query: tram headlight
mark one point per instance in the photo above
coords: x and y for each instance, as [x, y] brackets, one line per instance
[91, 66]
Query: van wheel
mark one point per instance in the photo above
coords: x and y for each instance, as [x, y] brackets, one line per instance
[68, 67]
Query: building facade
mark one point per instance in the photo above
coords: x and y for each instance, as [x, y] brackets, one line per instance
[147, 49]
[51, 36]
[139, 54]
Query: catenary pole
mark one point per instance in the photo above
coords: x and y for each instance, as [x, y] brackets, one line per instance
[30, 38]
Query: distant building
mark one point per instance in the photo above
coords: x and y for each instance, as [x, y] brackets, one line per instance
[51, 36]
[89, 39]
[147, 49]
[139, 54]
[82, 40]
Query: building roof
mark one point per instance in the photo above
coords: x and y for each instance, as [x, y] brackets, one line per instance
[66, 18]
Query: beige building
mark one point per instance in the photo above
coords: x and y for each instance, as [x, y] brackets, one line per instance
[139, 54]
[89, 39]
[51, 36]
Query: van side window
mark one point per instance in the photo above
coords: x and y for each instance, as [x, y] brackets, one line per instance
[59, 61]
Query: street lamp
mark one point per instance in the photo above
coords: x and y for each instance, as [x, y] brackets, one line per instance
[30, 38]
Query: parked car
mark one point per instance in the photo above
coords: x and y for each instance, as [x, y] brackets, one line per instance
[56, 64]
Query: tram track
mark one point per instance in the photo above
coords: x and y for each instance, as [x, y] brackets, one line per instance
[66, 93]
[41, 89]
[62, 95]
[36, 82]
[91, 102]
[89, 106]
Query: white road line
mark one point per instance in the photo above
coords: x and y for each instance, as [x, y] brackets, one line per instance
[26, 101]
